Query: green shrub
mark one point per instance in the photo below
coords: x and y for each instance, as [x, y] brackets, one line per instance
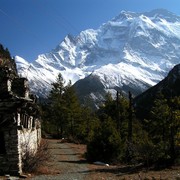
[105, 144]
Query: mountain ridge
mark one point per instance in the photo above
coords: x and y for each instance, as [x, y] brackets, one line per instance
[169, 87]
[133, 50]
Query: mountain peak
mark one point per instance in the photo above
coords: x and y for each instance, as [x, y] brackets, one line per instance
[125, 15]
[164, 14]
[132, 52]
[156, 13]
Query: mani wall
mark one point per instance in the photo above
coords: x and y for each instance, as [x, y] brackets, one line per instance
[20, 128]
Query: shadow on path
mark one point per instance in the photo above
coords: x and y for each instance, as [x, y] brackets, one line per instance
[76, 162]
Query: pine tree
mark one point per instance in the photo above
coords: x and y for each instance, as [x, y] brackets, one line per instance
[129, 152]
[57, 107]
[174, 105]
[65, 111]
[164, 126]
[72, 110]
[105, 144]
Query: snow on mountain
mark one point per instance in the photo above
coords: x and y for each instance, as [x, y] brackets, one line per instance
[134, 50]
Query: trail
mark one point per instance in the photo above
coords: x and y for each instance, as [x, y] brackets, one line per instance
[65, 162]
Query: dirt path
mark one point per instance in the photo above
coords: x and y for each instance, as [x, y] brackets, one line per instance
[65, 163]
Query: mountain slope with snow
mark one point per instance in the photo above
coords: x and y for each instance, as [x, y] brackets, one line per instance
[133, 51]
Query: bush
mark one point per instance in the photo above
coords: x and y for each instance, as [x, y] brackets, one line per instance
[105, 144]
[32, 160]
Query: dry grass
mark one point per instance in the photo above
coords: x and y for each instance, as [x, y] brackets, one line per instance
[32, 161]
[118, 173]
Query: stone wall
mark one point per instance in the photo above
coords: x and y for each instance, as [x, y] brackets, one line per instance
[29, 138]
[18, 140]
[19, 125]
[10, 161]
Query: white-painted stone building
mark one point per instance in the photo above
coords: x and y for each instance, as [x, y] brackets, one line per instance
[20, 128]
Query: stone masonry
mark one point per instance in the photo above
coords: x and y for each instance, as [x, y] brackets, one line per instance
[20, 128]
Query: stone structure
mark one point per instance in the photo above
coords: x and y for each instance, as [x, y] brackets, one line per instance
[19, 124]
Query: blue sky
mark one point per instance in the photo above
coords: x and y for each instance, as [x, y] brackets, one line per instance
[32, 27]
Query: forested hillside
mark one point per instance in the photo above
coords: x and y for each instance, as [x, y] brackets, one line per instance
[118, 131]
[6, 59]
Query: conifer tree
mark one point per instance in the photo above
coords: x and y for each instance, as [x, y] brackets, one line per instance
[129, 152]
[164, 126]
[174, 105]
[105, 144]
[57, 107]
[72, 110]
[65, 110]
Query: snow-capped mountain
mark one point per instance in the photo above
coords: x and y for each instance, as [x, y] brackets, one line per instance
[133, 51]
